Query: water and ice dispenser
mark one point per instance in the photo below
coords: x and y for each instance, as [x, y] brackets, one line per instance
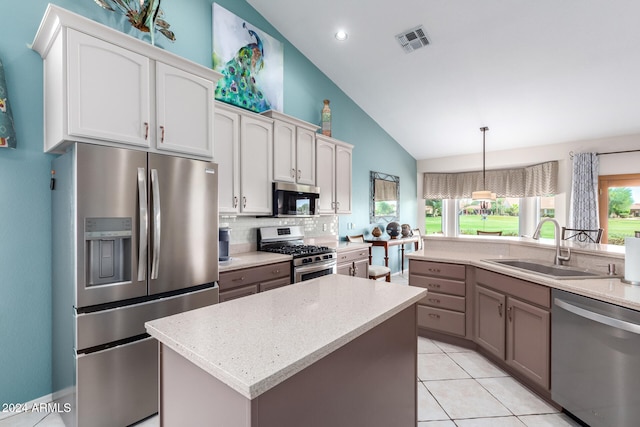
[108, 250]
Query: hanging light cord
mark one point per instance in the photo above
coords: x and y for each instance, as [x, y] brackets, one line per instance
[484, 180]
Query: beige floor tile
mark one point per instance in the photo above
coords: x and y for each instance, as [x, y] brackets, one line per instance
[476, 365]
[448, 423]
[549, 420]
[428, 408]
[438, 367]
[517, 398]
[466, 399]
[425, 345]
[491, 422]
[450, 348]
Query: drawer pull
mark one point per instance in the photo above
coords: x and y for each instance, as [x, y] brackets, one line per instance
[275, 271]
[434, 316]
[433, 285]
[239, 279]
[434, 270]
[434, 300]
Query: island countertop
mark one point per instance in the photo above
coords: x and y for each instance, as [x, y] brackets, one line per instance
[254, 343]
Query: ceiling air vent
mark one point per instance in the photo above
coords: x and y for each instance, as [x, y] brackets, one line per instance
[412, 39]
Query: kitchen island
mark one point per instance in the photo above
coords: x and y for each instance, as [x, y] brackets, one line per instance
[336, 350]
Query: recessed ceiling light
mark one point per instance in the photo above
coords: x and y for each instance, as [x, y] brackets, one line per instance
[341, 35]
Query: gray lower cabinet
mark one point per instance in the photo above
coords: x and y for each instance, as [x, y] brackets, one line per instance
[354, 262]
[247, 281]
[444, 309]
[512, 322]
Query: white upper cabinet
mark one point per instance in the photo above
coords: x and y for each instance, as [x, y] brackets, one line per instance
[108, 94]
[104, 87]
[293, 149]
[334, 162]
[227, 137]
[184, 112]
[256, 145]
[244, 144]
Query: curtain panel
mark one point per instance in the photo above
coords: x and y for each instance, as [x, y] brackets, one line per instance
[535, 180]
[583, 212]
[385, 190]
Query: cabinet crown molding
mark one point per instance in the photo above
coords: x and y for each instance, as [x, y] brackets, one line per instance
[290, 119]
[56, 19]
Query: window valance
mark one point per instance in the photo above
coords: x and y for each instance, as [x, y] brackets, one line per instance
[535, 180]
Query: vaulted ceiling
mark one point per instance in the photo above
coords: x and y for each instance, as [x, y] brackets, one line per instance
[535, 72]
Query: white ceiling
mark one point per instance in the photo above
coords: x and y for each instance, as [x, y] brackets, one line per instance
[535, 72]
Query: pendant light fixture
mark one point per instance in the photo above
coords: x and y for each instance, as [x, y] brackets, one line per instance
[483, 195]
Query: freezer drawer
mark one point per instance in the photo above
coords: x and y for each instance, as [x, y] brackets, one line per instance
[107, 326]
[118, 386]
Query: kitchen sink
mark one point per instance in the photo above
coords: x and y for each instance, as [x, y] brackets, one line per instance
[558, 272]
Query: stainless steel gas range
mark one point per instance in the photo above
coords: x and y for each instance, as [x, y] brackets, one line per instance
[309, 261]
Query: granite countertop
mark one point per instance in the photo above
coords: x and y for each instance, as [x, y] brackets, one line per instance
[254, 343]
[251, 259]
[611, 290]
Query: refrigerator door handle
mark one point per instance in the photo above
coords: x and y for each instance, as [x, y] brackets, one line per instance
[144, 224]
[155, 188]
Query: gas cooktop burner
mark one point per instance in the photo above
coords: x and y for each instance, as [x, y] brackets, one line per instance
[298, 250]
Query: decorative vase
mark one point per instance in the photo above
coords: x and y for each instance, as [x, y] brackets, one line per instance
[326, 118]
[376, 232]
[406, 230]
[393, 230]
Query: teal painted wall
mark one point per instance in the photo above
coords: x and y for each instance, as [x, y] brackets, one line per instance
[25, 226]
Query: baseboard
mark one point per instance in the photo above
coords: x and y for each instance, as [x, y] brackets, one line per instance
[26, 407]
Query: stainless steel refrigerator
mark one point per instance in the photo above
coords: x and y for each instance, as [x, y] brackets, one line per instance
[134, 238]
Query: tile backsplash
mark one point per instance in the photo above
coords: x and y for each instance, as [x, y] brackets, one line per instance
[244, 230]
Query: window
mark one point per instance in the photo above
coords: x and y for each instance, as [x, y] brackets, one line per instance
[619, 207]
[547, 210]
[498, 215]
[433, 216]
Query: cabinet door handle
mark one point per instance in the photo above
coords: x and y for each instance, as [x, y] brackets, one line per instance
[434, 300]
[293, 173]
[355, 269]
[235, 201]
[434, 316]
[509, 313]
[162, 134]
[146, 130]
[500, 310]
[244, 201]
[299, 173]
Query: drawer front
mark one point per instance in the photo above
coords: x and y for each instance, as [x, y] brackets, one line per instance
[449, 302]
[349, 256]
[238, 293]
[247, 276]
[450, 322]
[439, 269]
[272, 284]
[521, 289]
[435, 284]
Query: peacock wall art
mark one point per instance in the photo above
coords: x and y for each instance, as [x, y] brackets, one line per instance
[250, 62]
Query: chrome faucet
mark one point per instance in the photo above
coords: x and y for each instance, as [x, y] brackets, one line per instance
[559, 257]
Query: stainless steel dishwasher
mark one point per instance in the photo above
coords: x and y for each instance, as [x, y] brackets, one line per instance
[595, 360]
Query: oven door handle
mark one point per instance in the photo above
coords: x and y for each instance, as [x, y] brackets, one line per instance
[316, 266]
[600, 318]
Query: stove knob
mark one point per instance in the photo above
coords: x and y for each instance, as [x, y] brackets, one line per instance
[318, 258]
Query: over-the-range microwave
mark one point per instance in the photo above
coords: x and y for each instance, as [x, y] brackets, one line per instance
[294, 200]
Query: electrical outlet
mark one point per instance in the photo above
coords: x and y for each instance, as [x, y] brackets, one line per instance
[324, 227]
